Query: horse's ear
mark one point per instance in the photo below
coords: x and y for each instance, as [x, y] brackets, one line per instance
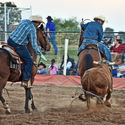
[41, 27]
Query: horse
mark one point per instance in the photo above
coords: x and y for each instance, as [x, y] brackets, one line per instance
[86, 58]
[15, 75]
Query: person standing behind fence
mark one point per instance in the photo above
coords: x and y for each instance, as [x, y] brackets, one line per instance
[51, 34]
[53, 68]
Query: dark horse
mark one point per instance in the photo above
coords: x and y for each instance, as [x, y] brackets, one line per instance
[92, 80]
[14, 75]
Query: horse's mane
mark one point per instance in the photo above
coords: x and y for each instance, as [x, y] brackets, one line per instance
[41, 27]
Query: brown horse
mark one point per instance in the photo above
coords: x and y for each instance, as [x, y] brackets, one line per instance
[14, 75]
[86, 57]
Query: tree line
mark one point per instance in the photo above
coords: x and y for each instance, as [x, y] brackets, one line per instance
[70, 24]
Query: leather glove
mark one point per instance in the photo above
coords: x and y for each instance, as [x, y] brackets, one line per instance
[43, 57]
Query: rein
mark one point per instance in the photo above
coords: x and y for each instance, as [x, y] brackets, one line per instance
[41, 29]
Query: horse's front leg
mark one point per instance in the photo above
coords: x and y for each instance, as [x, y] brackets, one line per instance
[27, 96]
[32, 101]
[5, 105]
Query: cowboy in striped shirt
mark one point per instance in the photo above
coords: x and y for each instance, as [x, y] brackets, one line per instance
[26, 32]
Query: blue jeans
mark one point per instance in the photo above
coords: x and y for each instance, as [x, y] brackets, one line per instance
[25, 56]
[101, 46]
[52, 39]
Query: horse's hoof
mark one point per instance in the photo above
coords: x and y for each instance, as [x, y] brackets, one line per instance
[27, 111]
[107, 104]
[81, 98]
[8, 111]
[34, 108]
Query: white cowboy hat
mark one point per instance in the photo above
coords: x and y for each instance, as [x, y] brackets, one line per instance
[100, 18]
[36, 18]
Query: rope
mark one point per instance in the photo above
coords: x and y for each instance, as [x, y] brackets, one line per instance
[99, 53]
[99, 97]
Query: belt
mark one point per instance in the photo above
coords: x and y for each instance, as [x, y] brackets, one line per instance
[87, 39]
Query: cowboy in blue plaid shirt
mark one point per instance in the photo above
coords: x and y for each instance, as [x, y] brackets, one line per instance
[26, 32]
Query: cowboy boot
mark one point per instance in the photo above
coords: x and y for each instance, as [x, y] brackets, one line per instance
[29, 85]
[26, 84]
[23, 83]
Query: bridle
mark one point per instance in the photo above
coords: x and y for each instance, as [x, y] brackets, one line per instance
[44, 37]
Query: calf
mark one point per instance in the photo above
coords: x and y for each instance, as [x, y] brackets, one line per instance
[98, 80]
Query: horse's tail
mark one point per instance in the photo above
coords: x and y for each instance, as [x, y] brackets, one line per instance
[88, 61]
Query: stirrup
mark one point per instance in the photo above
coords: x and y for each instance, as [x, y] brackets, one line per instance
[26, 84]
[29, 84]
[23, 84]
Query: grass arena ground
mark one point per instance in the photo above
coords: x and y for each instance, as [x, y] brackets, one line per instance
[54, 107]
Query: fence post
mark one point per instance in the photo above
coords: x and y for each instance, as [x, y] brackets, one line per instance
[5, 22]
[65, 55]
[30, 10]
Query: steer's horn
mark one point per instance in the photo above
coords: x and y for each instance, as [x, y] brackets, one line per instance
[95, 62]
[112, 63]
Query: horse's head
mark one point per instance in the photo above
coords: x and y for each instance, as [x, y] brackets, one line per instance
[42, 38]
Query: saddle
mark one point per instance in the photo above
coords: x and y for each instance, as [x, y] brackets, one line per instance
[15, 62]
[91, 46]
[95, 47]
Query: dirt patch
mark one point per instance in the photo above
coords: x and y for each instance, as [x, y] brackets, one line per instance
[54, 108]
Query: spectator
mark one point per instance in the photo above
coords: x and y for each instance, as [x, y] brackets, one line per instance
[53, 68]
[111, 47]
[42, 69]
[70, 66]
[120, 66]
[115, 58]
[118, 46]
[118, 37]
[121, 69]
[51, 34]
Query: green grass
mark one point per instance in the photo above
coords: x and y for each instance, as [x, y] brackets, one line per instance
[72, 51]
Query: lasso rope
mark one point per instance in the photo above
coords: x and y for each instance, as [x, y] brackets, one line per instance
[99, 97]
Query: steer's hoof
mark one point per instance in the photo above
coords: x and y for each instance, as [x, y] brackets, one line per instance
[8, 111]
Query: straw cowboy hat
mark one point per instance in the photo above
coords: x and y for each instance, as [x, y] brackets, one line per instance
[36, 18]
[100, 18]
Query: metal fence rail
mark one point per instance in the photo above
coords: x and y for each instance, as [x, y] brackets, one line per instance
[73, 37]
